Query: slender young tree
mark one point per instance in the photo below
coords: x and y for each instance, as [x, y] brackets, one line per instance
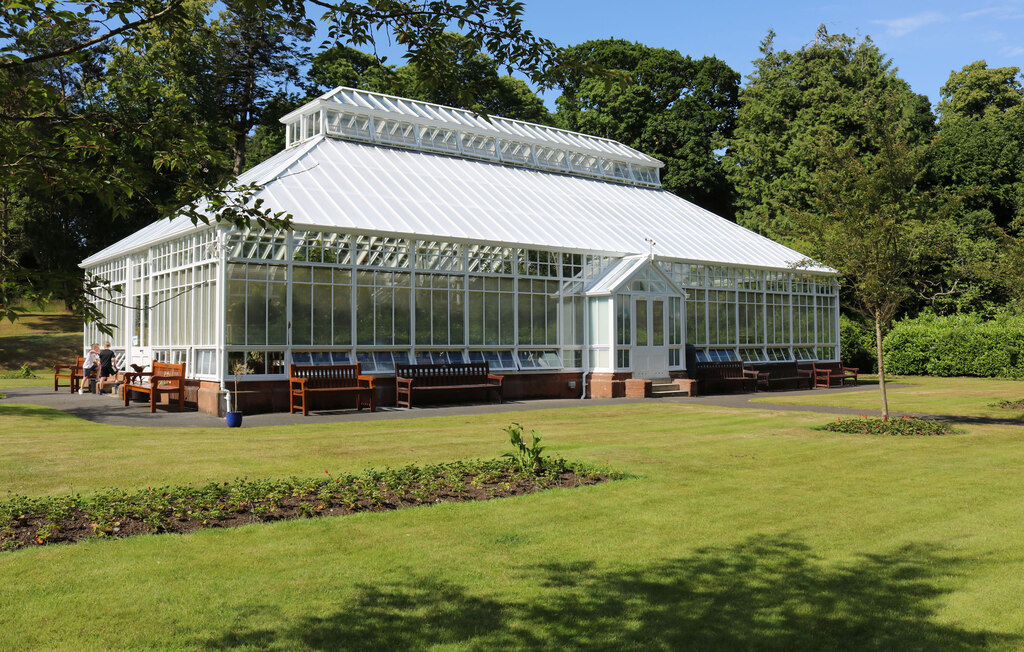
[868, 216]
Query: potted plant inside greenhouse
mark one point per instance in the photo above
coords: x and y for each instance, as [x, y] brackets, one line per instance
[234, 415]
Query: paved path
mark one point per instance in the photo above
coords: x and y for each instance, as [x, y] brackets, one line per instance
[110, 411]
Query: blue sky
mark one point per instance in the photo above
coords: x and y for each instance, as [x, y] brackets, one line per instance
[925, 40]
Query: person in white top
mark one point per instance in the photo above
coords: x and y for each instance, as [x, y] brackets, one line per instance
[91, 366]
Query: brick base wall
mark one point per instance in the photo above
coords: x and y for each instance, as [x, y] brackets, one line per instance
[606, 385]
[261, 396]
[638, 388]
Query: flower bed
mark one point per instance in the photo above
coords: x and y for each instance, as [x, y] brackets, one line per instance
[1011, 404]
[903, 426]
[117, 513]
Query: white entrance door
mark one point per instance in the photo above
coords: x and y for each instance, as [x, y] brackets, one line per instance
[650, 351]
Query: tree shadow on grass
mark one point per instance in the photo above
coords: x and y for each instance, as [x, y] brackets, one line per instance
[35, 412]
[954, 419]
[768, 593]
[405, 615]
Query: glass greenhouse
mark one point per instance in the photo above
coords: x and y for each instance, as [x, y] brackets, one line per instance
[423, 233]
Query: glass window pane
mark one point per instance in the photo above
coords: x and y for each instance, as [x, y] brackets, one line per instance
[301, 319]
[256, 313]
[277, 313]
[342, 297]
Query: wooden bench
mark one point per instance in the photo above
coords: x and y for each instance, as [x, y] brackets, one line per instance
[444, 377]
[727, 376]
[304, 380]
[73, 375]
[782, 374]
[165, 378]
[827, 373]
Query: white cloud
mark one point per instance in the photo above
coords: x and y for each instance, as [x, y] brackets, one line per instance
[993, 36]
[1015, 51]
[981, 12]
[1002, 12]
[907, 24]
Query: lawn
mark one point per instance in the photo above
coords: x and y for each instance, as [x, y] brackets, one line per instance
[974, 397]
[39, 340]
[741, 529]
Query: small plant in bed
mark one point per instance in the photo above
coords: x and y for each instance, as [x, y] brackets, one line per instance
[28, 521]
[1010, 404]
[903, 426]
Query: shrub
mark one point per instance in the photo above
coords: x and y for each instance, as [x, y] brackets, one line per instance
[957, 345]
[903, 426]
[857, 345]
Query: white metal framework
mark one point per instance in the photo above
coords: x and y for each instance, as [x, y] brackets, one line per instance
[417, 253]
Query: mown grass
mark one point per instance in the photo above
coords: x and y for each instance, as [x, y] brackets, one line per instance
[39, 340]
[739, 529]
[973, 397]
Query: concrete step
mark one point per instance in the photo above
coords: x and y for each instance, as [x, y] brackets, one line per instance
[664, 387]
[668, 393]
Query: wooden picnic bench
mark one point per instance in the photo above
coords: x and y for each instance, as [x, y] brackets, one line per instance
[714, 376]
[304, 380]
[774, 375]
[69, 372]
[444, 377]
[827, 373]
[165, 378]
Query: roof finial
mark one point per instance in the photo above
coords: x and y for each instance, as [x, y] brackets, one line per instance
[652, 244]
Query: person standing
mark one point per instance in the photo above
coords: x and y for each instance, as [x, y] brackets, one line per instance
[91, 365]
[108, 367]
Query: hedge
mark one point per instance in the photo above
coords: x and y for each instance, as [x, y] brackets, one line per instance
[958, 345]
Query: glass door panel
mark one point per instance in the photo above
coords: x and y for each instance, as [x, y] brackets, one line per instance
[658, 322]
[642, 323]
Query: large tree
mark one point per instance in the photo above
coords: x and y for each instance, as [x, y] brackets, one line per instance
[74, 142]
[670, 106]
[793, 102]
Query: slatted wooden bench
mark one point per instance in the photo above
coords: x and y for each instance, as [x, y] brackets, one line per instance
[69, 372]
[828, 373]
[455, 377]
[715, 376]
[783, 374]
[165, 378]
[304, 380]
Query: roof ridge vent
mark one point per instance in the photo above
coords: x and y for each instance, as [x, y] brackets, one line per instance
[375, 118]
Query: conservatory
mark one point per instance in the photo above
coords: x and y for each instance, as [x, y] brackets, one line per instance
[425, 234]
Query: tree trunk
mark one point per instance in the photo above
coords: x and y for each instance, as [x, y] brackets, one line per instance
[238, 153]
[881, 368]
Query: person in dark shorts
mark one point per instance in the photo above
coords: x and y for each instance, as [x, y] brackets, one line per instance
[108, 368]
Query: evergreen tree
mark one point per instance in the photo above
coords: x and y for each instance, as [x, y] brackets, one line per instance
[672, 107]
[793, 102]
